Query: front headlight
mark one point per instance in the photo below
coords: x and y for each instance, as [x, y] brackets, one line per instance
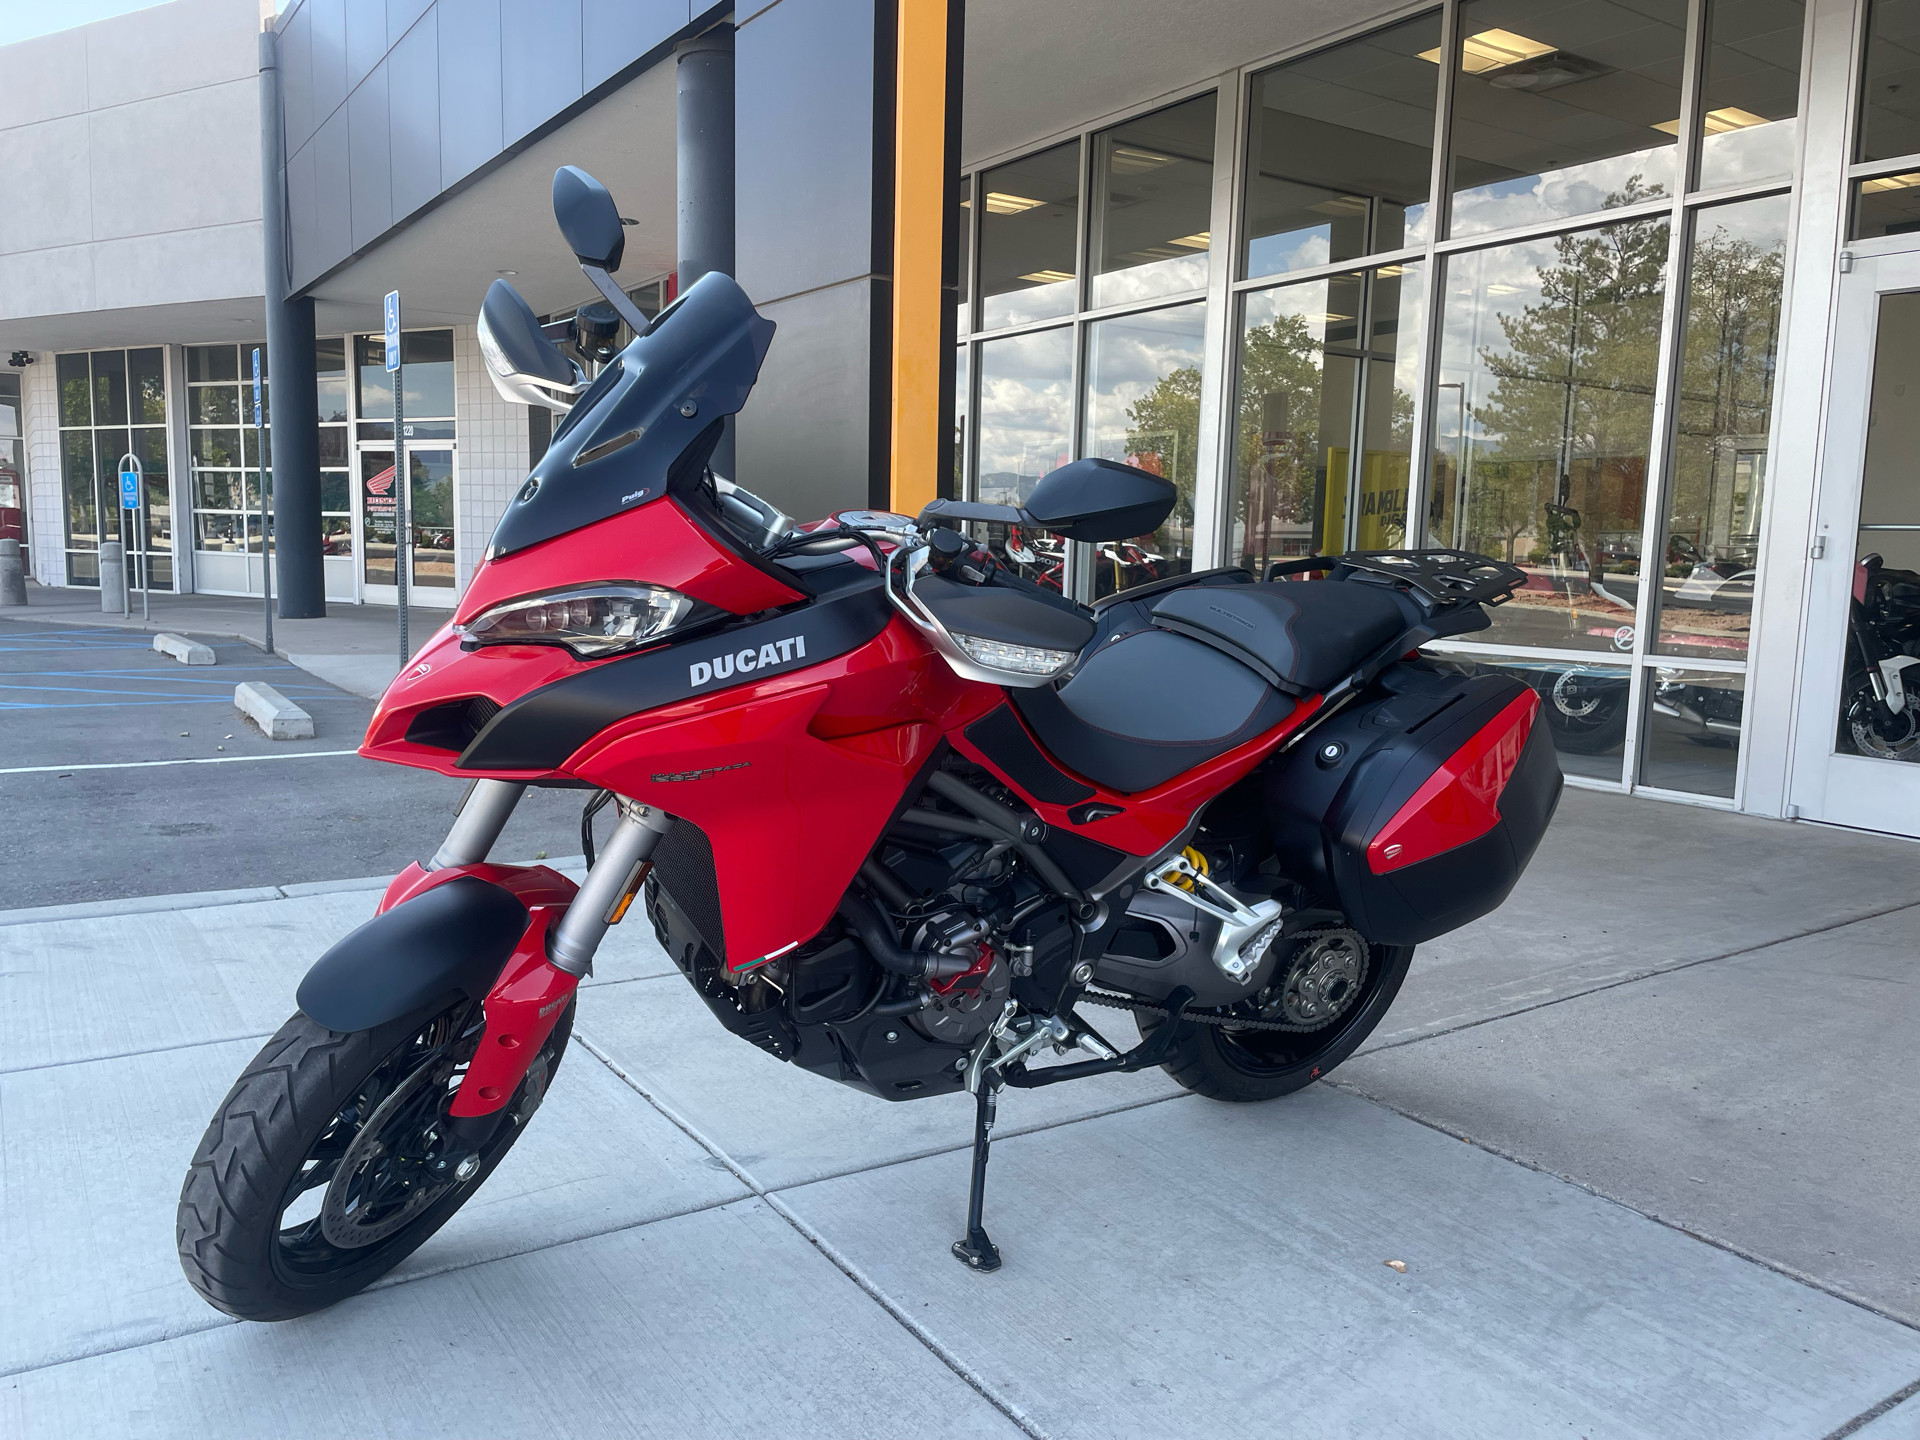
[1019, 659]
[593, 621]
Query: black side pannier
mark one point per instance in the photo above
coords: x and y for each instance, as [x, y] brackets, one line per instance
[1416, 810]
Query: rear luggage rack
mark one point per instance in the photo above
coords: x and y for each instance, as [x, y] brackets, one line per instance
[1438, 577]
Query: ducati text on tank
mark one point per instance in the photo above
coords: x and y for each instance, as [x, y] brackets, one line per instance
[900, 816]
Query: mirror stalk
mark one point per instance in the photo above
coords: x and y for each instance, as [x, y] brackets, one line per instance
[623, 306]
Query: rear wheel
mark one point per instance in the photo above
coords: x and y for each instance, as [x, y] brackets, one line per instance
[1333, 988]
[330, 1160]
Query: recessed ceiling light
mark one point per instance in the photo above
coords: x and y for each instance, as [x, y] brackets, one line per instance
[1718, 122]
[1001, 203]
[1324, 318]
[1199, 240]
[1909, 181]
[1390, 272]
[1503, 289]
[509, 272]
[1491, 49]
[1129, 161]
[1048, 277]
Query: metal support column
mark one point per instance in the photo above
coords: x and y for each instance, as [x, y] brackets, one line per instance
[293, 402]
[704, 238]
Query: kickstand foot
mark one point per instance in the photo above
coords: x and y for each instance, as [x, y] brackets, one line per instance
[977, 1252]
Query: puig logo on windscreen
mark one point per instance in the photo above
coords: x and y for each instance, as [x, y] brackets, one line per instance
[742, 662]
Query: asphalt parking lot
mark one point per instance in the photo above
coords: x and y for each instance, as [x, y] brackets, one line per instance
[126, 773]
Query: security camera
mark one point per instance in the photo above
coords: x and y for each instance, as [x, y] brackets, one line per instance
[20, 359]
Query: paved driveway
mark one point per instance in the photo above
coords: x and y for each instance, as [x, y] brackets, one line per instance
[125, 773]
[1649, 1167]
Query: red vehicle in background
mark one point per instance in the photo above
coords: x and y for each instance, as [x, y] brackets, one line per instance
[901, 817]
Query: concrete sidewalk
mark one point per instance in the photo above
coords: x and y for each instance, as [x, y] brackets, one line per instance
[1684, 1208]
[356, 647]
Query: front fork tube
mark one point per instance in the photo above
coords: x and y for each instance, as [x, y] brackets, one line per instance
[553, 955]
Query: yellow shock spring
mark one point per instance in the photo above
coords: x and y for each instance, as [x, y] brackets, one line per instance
[1185, 882]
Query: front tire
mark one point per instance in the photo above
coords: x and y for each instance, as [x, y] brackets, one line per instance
[324, 1166]
[1244, 1065]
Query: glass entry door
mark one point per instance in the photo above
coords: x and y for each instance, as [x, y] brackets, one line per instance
[1858, 760]
[430, 518]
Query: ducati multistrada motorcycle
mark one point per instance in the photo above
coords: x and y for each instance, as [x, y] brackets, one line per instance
[901, 817]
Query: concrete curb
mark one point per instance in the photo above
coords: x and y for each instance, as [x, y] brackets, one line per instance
[571, 865]
[187, 652]
[278, 717]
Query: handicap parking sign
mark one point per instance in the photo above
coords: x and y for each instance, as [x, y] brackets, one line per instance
[129, 489]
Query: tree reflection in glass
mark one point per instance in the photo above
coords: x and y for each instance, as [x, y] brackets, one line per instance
[1723, 415]
[1299, 363]
[1143, 409]
[1544, 413]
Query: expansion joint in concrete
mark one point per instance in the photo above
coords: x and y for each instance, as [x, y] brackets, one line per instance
[971, 1377]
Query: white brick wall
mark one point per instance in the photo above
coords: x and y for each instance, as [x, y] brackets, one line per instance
[493, 451]
[40, 399]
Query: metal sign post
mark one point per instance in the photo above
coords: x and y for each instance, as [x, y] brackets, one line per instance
[133, 496]
[400, 486]
[266, 549]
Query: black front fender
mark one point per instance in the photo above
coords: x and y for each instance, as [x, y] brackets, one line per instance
[452, 939]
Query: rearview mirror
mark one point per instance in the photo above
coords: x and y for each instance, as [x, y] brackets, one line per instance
[1100, 500]
[524, 365]
[588, 218]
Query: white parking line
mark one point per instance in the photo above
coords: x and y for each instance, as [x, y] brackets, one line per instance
[145, 764]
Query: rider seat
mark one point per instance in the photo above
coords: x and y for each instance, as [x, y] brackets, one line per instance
[1147, 706]
[1301, 636]
[1215, 670]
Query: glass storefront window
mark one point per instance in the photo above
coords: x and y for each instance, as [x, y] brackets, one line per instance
[430, 517]
[1564, 110]
[1396, 326]
[963, 316]
[1143, 409]
[1153, 204]
[962, 402]
[1723, 414]
[1884, 612]
[1299, 366]
[1890, 84]
[330, 378]
[1750, 91]
[1025, 430]
[1029, 231]
[1543, 416]
[225, 450]
[426, 359]
[112, 403]
[1886, 205]
[1690, 732]
[1340, 151]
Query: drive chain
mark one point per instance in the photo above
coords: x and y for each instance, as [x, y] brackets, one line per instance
[1215, 1017]
[1199, 1017]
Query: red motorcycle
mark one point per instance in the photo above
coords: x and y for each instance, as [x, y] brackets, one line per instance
[901, 817]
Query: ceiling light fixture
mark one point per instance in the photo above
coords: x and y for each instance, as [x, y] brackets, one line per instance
[1719, 122]
[1001, 203]
[1491, 49]
[1908, 181]
[1048, 277]
[1199, 240]
[1129, 161]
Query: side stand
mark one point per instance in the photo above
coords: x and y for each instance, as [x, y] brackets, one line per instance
[977, 1252]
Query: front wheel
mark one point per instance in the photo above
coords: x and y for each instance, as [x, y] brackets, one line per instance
[1332, 989]
[330, 1161]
